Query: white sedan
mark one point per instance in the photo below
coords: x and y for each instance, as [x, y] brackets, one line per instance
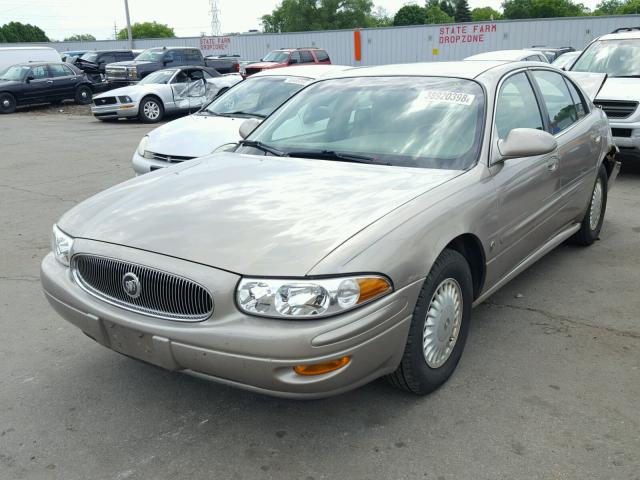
[511, 56]
[216, 126]
[172, 90]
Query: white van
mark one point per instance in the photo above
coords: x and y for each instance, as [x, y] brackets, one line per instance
[12, 55]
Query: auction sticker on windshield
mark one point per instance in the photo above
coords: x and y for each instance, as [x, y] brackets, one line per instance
[449, 97]
[297, 80]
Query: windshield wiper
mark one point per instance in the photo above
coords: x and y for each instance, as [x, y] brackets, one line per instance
[240, 112]
[263, 147]
[626, 76]
[333, 155]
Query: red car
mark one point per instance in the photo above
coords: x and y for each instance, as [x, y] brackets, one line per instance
[288, 56]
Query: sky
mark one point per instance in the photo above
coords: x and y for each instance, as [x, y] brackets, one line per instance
[62, 18]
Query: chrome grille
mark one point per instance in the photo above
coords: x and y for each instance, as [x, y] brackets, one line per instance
[616, 108]
[166, 158]
[160, 294]
[116, 72]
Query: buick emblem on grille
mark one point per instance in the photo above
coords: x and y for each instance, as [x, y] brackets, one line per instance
[131, 285]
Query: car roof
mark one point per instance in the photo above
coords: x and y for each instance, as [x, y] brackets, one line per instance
[307, 71]
[551, 49]
[621, 35]
[459, 69]
[297, 48]
[173, 48]
[510, 55]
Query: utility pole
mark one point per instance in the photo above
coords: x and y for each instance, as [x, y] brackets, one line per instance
[214, 11]
[115, 31]
[129, 36]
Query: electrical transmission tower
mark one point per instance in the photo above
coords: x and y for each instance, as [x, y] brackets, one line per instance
[214, 11]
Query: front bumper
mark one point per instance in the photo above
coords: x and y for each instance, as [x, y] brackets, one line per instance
[626, 136]
[116, 110]
[233, 348]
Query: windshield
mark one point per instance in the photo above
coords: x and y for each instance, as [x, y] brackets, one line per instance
[89, 57]
[257, 96]
[161, 76]
[423, 122]
[565, 60]
[15, 73]
[150, 56]
[277, 56]
[617, 58]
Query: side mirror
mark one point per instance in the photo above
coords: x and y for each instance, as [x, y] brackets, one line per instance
[29, 78]
[526, 142]
[248, 126]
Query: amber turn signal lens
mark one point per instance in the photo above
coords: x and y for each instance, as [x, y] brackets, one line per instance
[320, 368]
[371, 288]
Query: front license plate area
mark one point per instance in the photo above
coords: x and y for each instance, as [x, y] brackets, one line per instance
[130, 342]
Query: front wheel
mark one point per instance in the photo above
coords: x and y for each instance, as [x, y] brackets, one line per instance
[83, 95]
[151, 110]
[439, 326]
[7, 103]
[594, 217]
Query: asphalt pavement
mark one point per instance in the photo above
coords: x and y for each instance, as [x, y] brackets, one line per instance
[548, 386]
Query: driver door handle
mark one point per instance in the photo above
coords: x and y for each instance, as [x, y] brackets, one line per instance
[49, 81]
[552, 164]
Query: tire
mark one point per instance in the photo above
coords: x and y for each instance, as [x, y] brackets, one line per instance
[422, 370]
[83, 95]
[7, 103]
[151, 110]
[594, 216]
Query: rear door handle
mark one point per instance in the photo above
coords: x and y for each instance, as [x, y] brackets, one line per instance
[552, 164]
[49, 81]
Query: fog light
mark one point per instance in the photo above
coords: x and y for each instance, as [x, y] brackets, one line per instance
[320, 368]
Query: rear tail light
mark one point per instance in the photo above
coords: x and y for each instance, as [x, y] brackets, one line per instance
[237, 67]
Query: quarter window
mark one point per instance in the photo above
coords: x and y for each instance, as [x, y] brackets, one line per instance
[578, 101]
[555, 94]
[321, 55]
[516, 106]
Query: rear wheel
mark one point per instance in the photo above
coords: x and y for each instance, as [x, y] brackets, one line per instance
[7, 103]
[151, 110]
[439, 326]
[83, 95]
[594, 217]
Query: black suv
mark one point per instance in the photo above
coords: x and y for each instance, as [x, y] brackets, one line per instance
[93, 62]
[36, 82]
[152, 60]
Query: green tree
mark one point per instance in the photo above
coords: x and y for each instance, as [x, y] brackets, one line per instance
[485, 13]
[22, 32]
[437, 15]
[462, 13]
[629, 7]
[410, 15]
[81, 37]
[514, 9]
[305, 15]
[608, 7]
[147, 30]
[447, 6]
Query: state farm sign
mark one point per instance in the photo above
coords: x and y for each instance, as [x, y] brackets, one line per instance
[214, 43]
[466, 33]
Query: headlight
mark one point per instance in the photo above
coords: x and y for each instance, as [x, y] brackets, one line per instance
[133, 71]
[125, 99]
[227, 147]
[291, 298]
[61, 244]
[142, 145]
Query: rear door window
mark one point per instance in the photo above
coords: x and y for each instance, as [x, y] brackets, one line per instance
[39, 72]
[555, 94]
[59, 70]
[294, 58]
[306, 57]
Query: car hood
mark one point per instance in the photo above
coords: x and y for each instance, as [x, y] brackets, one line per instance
[10, 83]
[133, 91]
[252, 215]
[616, 88]
[131, 63]
[194, 136]
[264, 65]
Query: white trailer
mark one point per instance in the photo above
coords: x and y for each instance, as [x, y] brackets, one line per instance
[12, 55]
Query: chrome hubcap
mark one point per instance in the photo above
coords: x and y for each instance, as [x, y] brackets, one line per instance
[151, 110]
[596, 205]
[6, 103]
[83, 94]
[442, 325]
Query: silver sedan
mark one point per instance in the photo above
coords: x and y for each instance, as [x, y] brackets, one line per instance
[348, 237]
[172, 90]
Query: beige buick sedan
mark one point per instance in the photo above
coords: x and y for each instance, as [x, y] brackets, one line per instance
[348, 236]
